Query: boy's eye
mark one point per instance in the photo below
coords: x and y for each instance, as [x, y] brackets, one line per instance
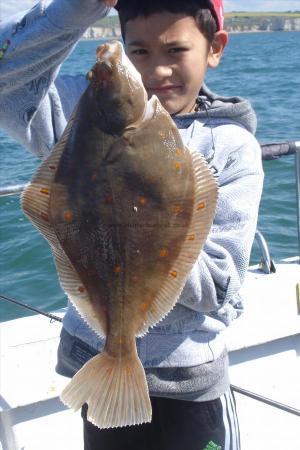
[139, 51]
[177, 49]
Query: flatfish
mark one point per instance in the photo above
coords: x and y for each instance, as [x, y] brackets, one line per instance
[126, 209]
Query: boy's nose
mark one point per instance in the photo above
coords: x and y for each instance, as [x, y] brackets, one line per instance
[160, 71]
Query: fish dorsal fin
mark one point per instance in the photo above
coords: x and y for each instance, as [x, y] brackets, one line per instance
[35, 202]
[205, 199]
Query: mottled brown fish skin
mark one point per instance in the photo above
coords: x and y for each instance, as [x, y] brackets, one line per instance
[125, 208]
[128, 218]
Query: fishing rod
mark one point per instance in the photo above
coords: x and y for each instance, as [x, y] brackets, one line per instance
[30, 308]
[266, 400]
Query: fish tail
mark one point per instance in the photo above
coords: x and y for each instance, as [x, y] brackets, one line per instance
[115, 390]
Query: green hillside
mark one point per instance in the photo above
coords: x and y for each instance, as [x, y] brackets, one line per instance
[246, 15]
[241, 20]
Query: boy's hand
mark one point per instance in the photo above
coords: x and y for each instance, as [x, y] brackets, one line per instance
[110, 3]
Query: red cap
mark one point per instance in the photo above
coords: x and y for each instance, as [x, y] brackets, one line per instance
[217, 9]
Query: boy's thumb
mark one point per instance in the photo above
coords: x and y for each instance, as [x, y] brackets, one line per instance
[110, 3]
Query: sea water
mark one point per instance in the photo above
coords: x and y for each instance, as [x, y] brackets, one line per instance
[263, 67]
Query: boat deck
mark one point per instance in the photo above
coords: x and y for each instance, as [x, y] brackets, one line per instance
[264, 347]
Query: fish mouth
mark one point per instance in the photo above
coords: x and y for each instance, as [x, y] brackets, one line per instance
[109, 51]
[107, 56]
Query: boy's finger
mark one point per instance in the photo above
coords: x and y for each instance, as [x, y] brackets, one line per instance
[110, 2]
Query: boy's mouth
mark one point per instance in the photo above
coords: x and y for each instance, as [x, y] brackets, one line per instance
[162, 90]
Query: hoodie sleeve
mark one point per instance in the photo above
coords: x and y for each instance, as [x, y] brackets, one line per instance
[35, 103]
[215, 280]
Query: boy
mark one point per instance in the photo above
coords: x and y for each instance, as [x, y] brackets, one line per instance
[172, 43]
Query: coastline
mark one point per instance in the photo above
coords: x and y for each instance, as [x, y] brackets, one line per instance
[235, 22]
[109, 38]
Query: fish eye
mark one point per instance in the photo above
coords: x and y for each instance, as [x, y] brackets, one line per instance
[90, 75]
[106, 66]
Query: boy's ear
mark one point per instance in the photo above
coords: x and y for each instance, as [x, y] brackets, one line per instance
[217, 48]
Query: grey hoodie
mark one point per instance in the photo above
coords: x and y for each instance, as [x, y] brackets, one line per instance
[184, 355]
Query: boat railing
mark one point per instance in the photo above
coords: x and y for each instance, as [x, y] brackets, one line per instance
[266, 264]
[15, 189]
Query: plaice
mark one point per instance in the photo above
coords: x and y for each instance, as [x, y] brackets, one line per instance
[126, 209]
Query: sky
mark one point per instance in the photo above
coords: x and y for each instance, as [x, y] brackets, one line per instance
[9, 7]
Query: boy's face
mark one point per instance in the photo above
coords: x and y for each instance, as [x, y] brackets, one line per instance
[172, 56]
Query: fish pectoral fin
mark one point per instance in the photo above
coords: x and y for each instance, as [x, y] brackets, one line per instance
[204, 207]
[115, 390]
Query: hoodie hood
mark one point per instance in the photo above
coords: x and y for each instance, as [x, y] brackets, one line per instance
[213, 106]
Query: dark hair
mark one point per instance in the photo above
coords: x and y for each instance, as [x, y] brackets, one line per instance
[199, 9]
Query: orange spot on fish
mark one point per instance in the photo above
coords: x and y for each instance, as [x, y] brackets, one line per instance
[177, 166]
[142, 200]
[163, 253]
[68, 215]
[108, 199]
[52, 167]
[179, 151]
[145, 306]
[120, 340]
[117, 269]
[190, 237]
[44, 216]
[81, 289]
[201, 206]
[45, 191]
[162, 134]
[173, 273]
[177, 209]
[94, 176]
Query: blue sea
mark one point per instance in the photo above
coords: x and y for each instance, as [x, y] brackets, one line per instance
[263, 67]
